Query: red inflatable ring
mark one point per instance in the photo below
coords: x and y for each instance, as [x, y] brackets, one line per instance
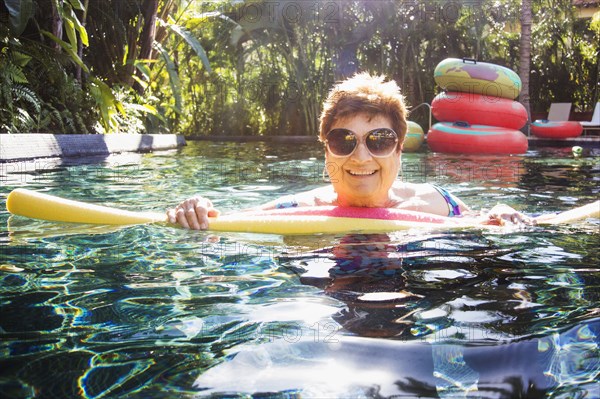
[478, 109]
[556, 129]
[462, 138]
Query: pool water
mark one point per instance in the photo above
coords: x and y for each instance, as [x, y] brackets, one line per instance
[153, 311]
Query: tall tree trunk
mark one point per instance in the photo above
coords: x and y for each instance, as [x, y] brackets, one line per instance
[149, 11]
[57, 25]
[525, 54]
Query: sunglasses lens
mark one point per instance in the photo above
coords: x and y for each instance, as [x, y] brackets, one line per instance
[341, 142]
[381, 142]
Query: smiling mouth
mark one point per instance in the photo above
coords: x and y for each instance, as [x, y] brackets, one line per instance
[362, 172]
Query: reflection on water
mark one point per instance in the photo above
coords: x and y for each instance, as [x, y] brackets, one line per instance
[575, 357]
[446, 289]
[154, 311]
[362, 367]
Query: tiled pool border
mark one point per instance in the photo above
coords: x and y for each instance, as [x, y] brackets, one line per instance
[25, 146]
[15, 147]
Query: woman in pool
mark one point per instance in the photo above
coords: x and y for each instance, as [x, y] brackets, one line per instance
[363, 125]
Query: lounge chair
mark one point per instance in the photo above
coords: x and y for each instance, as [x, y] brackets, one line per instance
[595, 122]
[559, 112]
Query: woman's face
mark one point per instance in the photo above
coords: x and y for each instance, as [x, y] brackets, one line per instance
[361, 179]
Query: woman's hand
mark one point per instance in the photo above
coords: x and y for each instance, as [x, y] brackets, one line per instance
[193, 213]
[502, 214]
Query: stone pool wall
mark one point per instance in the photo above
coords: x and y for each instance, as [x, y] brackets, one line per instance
[14, 147]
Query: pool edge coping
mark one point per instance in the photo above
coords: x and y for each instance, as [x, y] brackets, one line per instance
[27, 146]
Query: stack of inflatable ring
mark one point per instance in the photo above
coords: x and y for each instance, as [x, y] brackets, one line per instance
[414, 137]
[556, 129]
[477, 111]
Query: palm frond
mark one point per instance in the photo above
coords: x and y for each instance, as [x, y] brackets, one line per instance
[191, 41]
[174, 80]
[24, 93]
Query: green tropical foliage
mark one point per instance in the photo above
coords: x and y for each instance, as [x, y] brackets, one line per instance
[55, 103]
[566, 56]
[19, 13]
[262, 67]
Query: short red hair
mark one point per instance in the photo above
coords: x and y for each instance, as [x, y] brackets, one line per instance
[365, 94]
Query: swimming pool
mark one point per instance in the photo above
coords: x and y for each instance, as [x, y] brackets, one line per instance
[153, 311]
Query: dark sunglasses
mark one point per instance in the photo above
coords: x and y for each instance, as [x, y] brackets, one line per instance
[380, 142]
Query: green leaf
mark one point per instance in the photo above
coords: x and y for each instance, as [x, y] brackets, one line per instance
[71, 21]
[119, 106]
[107, 103]
[125, 54]
[20, 11]
[142, 83]
[69, 28]
[67, 47]
[72, 25]
[143, 68]
[13, 73]
[25, 93]
[79, 27]
[76, 4]
[154, 112]
[174, 80]
[192, 42]
[20, 59]
[148, 109]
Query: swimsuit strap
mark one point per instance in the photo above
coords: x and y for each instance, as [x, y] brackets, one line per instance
[454, 209]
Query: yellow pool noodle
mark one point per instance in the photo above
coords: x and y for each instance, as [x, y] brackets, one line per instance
[591, 210]
[37, 205]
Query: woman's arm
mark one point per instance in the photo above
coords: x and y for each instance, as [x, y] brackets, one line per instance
[500, 214]
[193, 213]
